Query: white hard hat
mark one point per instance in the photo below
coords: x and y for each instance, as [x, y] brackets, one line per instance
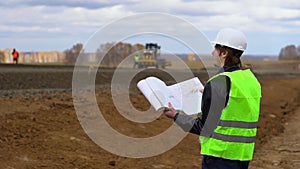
[231, 38]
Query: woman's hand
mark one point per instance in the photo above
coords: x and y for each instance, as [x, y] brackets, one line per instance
[171, 112]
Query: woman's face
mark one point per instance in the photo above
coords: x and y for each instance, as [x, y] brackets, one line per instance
[215, 53]
[218, 57]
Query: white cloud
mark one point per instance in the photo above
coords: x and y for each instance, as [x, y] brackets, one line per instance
[53, 19]
[22, 29]
[80, 19]
[89, 4]
[274, 13]
[211, 14]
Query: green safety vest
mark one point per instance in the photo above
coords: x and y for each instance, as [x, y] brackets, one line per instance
[234, 136]
[136, 58]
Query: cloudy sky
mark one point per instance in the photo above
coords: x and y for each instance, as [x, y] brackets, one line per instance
[35, 25]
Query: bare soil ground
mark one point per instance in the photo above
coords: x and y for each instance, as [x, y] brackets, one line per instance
[39, 127]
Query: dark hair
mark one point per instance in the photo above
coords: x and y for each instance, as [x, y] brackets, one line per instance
[233, 55]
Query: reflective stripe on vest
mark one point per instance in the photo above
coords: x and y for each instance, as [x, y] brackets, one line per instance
[240, 139]
[237, 124]
[234, 136]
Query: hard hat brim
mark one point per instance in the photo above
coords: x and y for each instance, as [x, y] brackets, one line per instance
[227, 45]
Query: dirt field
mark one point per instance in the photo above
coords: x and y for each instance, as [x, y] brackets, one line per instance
[39, 127]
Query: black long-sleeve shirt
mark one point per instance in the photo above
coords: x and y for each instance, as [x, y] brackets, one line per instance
[214, 100]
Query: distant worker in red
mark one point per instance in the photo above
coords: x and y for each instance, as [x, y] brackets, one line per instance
[15, 55]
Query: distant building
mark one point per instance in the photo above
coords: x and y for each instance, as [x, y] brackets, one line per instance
[34, 57]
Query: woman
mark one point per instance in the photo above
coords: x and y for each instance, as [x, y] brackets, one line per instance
[230, 108]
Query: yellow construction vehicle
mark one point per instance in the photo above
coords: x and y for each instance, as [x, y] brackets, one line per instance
[151, 57]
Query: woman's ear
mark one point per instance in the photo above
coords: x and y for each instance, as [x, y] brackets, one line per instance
[224, 54]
